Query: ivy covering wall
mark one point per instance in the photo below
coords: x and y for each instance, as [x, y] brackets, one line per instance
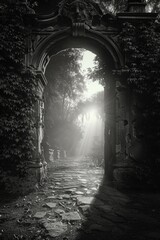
[17, 99]
[141, 44]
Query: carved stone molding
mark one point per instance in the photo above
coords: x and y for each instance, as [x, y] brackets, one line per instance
[71, 12]
[80, 11]
[78, 29]
[41, 78]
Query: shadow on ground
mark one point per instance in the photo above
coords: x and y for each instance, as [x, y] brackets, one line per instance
[76, 203]
[116, 215]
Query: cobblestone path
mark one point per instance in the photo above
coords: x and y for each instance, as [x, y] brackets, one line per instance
[77, 204]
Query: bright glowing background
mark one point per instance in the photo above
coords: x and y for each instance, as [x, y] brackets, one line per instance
[91, 87]
[88, 60]
[93, 128]
[92, 124]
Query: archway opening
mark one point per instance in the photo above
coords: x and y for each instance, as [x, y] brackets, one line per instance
[74, 108]
[111, 59]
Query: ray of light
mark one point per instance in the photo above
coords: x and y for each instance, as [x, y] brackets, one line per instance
[93, 129]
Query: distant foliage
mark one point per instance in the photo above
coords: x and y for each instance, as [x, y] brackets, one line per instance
[17, 96]
[47, 6]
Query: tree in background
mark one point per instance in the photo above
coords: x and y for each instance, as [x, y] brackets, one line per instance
[121, 5]
[90, 112]
[153, 5]
[95, 102]
[113, 6]
[65, 86]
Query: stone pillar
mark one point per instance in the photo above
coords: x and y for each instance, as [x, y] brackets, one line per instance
[131, 170]
[39, 166]
[110, 129]
[122, 119]
[123, 170]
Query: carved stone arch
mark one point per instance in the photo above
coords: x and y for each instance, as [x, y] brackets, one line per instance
[82, 24]
[108, 50]
[91, 40]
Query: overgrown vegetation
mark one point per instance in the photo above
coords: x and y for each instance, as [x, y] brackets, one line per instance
[106, 5]
[142, 48]
[17, 99]
[141, 44]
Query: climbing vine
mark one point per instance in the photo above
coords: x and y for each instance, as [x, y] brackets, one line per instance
[141, 44]
[17, 97]
[142, 47]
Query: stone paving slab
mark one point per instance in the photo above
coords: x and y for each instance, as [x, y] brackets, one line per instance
[71, 216]
[59, 211]
[70, 191]
[65, 196]
[79, 192]
[52, 197]
[55, 229]
[84, 208]
[65, 187]
[40, 215]
[80, 202]
[84, 200]
[51, 205]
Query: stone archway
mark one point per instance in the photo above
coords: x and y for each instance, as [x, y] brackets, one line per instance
[110, 106]
[82, 24]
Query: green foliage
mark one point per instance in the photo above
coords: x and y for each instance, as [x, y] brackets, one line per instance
[17, 95]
